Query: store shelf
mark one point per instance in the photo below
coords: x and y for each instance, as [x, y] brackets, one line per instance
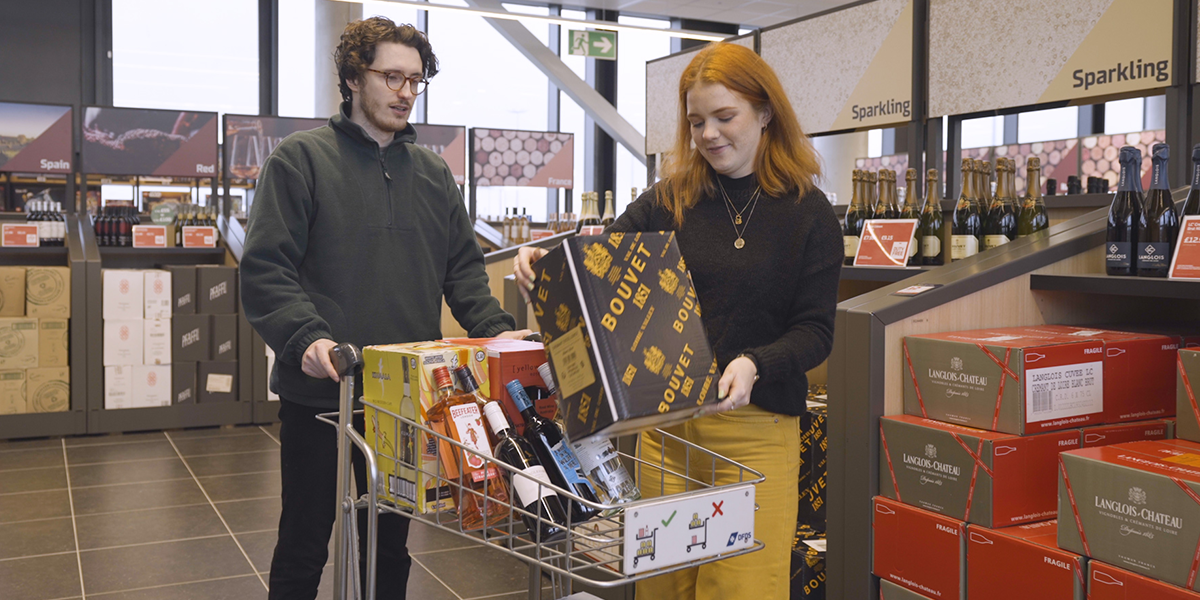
[885, 274]
[168, 417]
[1117, 286]
[41, 424]
[121, 257]
[50, 256]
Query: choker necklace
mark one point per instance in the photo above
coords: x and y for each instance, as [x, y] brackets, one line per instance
[740, 242]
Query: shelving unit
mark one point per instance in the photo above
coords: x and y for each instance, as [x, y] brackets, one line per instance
[1148, 287]
[882, 274]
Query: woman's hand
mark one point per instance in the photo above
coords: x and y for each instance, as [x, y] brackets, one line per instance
[734, 388]
[523, 268]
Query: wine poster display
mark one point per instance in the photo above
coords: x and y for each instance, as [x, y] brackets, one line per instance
[450, 143]
[35, 138]
[251, 139]
[136, 141]
[505, 157]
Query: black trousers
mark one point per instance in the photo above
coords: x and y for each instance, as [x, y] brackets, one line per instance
[308, 465]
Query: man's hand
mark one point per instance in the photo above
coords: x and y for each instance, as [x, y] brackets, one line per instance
[515, 335]
[523, 267]
[316, 361]
[734, 387]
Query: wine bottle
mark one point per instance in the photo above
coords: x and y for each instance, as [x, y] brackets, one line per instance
[554, 453]
[856, 214]
[610, 214]
[930, 231]
[1000, 226]
[1033, 217]
[1191, 207]
[599, 459]
[532, 493]
[984, 193]
[885, 207]
[457, 416]
[964, 225]
[591, 213]
[912, 210]
[1159, 225]
[1124, 216]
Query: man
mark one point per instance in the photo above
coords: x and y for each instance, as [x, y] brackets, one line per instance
[356, 234]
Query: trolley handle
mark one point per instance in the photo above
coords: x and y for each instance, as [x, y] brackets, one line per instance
[346, 358]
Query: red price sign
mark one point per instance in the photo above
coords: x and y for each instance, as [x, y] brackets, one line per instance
[540, 234]
[149, 236]
[18, 235]
[1186, 264]
[886, 243]
[195, 236]
[592, 230]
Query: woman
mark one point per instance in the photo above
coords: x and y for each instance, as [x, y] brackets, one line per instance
[764, 251]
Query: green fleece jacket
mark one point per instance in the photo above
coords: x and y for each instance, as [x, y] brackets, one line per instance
[355, 243]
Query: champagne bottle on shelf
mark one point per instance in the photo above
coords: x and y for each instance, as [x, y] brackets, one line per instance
[553, 452]
[599, 460]
[1159, 225]
[456, 415]
[1000, 226]
[589, 216]
[1124, 216]
[930, 231]
[1191, 207]
[1033, 217]
[548, 515]
[886, 207]
[985, 193]
[912, 210]
[964, 225]
[610, 214]
[506, 231]
[856, 213]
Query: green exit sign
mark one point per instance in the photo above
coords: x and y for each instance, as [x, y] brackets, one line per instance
[594, 44]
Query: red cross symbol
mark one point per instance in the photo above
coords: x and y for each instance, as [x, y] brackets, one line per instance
[717, 508]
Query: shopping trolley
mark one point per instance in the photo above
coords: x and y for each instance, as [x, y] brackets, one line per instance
[626, 543]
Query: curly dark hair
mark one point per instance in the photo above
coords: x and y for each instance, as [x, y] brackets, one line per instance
[357, 49]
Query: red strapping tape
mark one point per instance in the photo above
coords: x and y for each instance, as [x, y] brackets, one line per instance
[1000, 394]
[1003, 365]
[1074, 508]
[974, 472]
[1196, 556]
[912, 373]
[1078, 564]
[1187, 385]
[888, 454]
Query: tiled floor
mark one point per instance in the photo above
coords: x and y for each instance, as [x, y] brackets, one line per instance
[182, 514]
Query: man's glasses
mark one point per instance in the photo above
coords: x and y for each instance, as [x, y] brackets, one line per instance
[396, 80]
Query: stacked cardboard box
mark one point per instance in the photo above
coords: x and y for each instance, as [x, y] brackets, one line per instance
[1187, 391]
[987, 414]
[1106, 582]
[170, 336]
[808, 566]
[35, 310]
[814, 448]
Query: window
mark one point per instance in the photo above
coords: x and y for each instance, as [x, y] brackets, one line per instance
[571, 117]
[875, 143]
[167, 55]
[982, 132]
[1045, 125]
[297, 55]
[634, 48]
[488, 83]
[1124, 116]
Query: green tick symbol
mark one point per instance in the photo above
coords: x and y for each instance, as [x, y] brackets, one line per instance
[670, 518]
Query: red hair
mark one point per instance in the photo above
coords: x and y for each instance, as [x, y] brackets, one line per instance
[785, 160]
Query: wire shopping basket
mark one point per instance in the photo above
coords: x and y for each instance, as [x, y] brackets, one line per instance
[684, 519]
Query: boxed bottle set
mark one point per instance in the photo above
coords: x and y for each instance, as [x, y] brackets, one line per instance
[35, 308]
[623, 334]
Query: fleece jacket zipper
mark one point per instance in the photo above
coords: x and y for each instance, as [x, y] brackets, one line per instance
[387, 184]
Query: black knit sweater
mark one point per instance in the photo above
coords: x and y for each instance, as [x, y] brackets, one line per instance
[775, 298]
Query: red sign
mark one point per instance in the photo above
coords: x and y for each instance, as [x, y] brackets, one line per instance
[886, 243]
[540, 234]
[149, 236]
[199, 237]
[1186, 264]
[592, 230]
[18, 235]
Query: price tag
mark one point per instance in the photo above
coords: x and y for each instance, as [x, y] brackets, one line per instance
[149, 236]
[917, 290]
[885, 243]
[19, 235]
[195, 236]
[540, 234]
[1186, 262]
[592, 230]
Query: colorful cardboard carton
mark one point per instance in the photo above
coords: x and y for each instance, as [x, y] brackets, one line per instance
[921, 551]
[994, 556]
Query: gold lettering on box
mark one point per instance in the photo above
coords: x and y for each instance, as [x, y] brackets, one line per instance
[562, 317]
[682, 265]
[687, 386]
[572, 364]
[654, 359]
[615, 239]
[597, 260]
[585, 404]
[614, 275]
[630, 372]
[668, 281]
[642, 294]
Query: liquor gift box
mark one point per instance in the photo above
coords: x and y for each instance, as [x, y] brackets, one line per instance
[1022, 561]
[1004, 380]
[623, 334]
[1137, 371]
[124, 295]
[1134, 505]
[1187, 388]
[183, 383]
[48, 292]
[12, 291]
[983, 477]
[507, 360]
[1106, 582]
[814, 466]
[1107, 435]
[183, 289]
[808, 568]
[919, 550]
[398, 378]
[891, 591]
[216, 290]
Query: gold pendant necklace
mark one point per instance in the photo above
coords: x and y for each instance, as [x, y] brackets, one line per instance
[730, 209]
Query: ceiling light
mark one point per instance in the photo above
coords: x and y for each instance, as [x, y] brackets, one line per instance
[606, 25]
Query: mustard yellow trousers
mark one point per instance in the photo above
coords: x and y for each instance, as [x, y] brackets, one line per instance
[764, 441]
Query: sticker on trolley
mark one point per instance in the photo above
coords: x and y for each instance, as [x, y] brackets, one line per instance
[680, 530]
